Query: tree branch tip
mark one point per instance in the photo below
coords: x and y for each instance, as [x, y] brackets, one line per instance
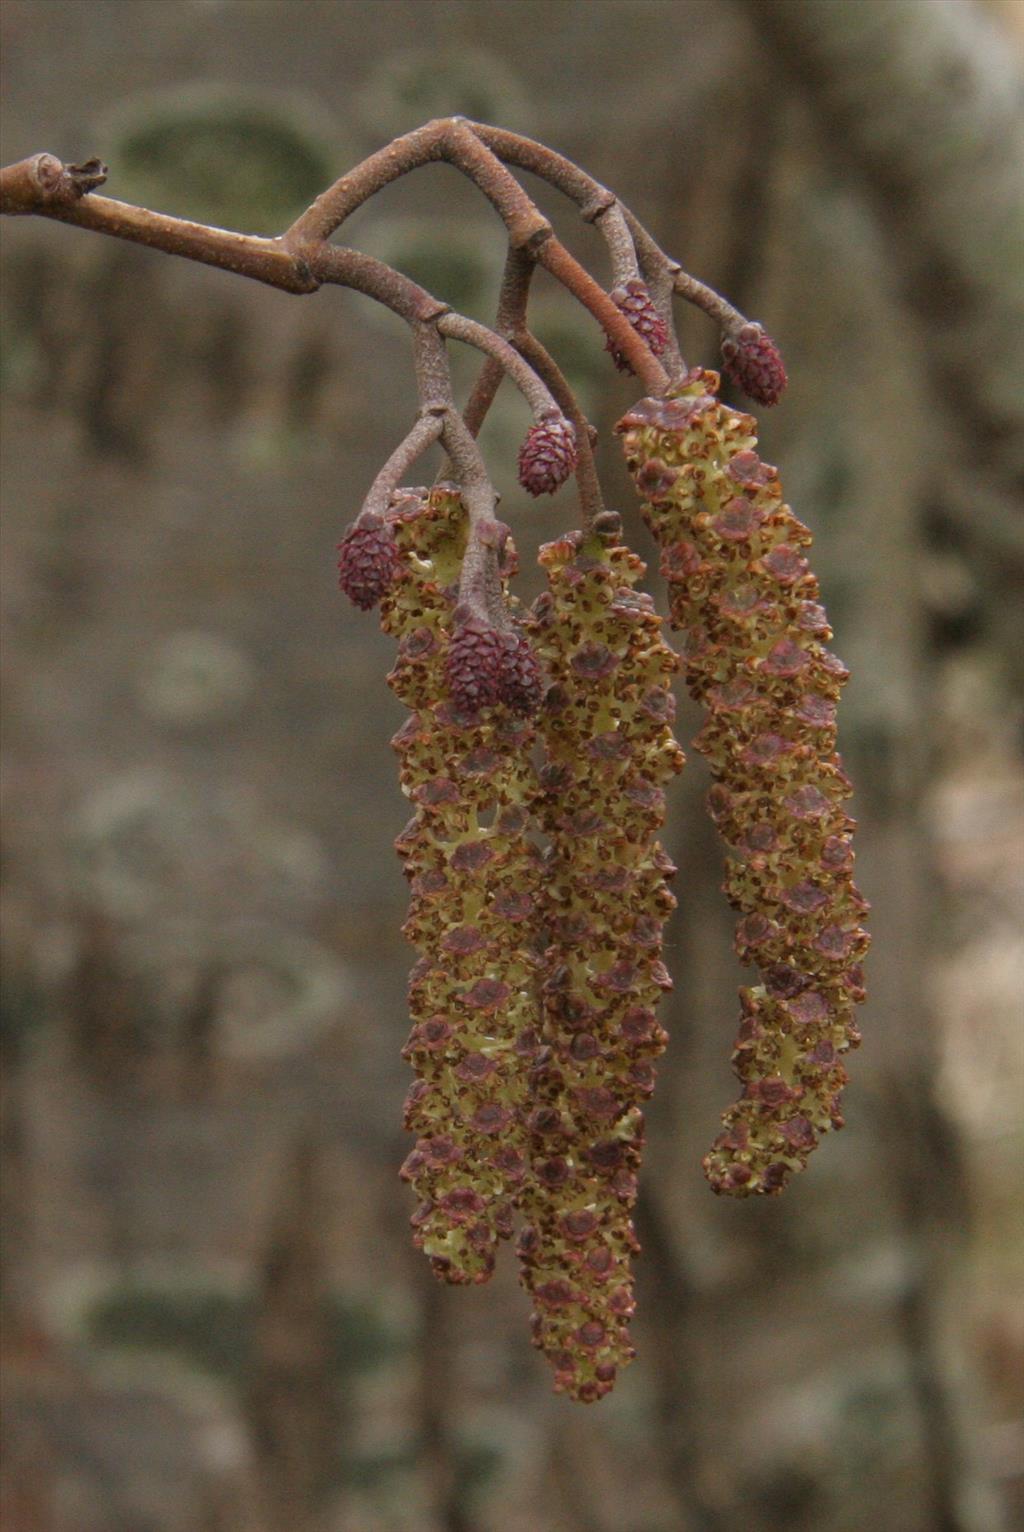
[43, 180]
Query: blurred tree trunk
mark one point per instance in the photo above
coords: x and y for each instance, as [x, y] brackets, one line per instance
[292, 1403]
[923, 104]
[863, 1240]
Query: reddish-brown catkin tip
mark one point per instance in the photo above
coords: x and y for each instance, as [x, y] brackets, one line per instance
[367, 560]
[638, 306]
[753, 361]
[476, 665]
[547, 456]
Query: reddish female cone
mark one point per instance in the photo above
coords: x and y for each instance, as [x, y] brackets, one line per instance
[547, 456]
[367, 560]
[634, 300]
[753, 361]
[474, 667]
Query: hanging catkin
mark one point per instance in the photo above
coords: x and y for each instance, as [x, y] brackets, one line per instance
[608, 750]
[474, 876]
[754, 653]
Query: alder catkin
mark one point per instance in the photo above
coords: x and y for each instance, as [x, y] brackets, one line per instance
[754, 655]
[608, 749]
[474, 877]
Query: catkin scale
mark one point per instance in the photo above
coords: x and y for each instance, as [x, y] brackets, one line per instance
[754, 654]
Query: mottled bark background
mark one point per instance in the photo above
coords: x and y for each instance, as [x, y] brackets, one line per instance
[212, 1319]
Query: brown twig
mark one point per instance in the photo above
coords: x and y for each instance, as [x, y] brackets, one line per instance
[250, 255]
[507, 358]
[630, 244]
[44, 180]
[511, 317]
[300, 260]
[433, 379]
[422, 435]
[460, 144]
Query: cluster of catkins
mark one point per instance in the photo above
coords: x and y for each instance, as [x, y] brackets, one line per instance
[535, 755]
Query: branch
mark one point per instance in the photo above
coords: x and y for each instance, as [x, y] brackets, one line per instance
[597, 204]
[532, 233]
[300, 260]
[507, 358]
[512, 300]
[459, 143]
[43, 180]
[44, 185]
[423, 434]
[433, 379]
[632, 248]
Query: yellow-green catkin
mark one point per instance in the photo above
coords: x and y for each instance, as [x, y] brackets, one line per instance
[754, 654]
[608, 750]
[474, 877]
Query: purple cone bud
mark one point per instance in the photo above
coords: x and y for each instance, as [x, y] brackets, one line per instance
[547, 456]
[636, 303]
[752, 361]
[367, 560]
[475, 665]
